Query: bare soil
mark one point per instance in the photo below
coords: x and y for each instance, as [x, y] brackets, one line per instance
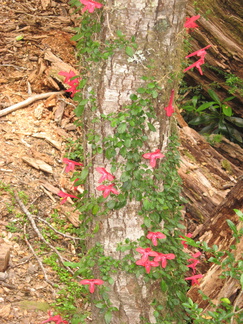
[32, 144]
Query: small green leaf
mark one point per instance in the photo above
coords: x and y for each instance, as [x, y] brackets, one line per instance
[129, 51]
[163, 286]
[141, 90]
[151, 127]
[154, 94]
[146, 204]
[133, 97]
[84, 174]
[205, 106]
[111, 204]
[119, 33]
[241, 280]
[100, 305]
[232, 226]
[227, 110]
[108, 317]
[214, 96]
[121, 128]
[95, 209]
[19, 37]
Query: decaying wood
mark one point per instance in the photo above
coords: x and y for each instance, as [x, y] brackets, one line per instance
[27, 102]
[221, 26]
[205, 174]
[38, 164]
[216, 231]
[4, 256]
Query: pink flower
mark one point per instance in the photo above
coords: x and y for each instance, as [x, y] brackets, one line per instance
[194, 261]
[169, 109]
[201, 52]
[70, 164]
[91, 283]
[90, 5]
[146, 253]
[57, 319]
[154, 236]
[153, 156]
[190, 22]
[72, 83]
[196, 64]
[184, 242]
[105, 175]
[107, 190]
[65, 196]
[147, 264]
[163, 258]
[194, 279]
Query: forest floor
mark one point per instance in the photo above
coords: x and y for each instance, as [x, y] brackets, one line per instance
[33, 141]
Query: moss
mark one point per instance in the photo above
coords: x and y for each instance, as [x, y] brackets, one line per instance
[226, 166]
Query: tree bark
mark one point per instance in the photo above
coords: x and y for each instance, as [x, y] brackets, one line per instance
[157, 27]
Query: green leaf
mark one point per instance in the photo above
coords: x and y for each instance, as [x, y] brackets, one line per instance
[133, 97]
[108, 317]
[227, 110]
[205, 106]
[146, 204]
[236, 121]
[232, 226]
[241, 280]
[214, 96]
[119, 33]
[147, 221]
[121, 128]
[151, 127]
[79, 110]
[201, 120]
[129, 51]
[154, 94]
[95, 209]
[19, 37]
[111, 204]
[141, 90]
[100, 305]
[84, 174]
[163, 286]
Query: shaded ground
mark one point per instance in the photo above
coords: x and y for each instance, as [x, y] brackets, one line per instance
[35, 134]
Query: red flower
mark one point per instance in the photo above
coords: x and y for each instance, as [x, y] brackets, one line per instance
[107, 190]
[147, 264]
[184, 242]
[194, 279]
[163, 258]
[190, 22]
[196, 64]
[153, 156]
[65, 196]
[70, 164]
[194, 261]
[201, 53]
[91, 283]
[169, 109]
[72, 83]
[154, 236]
[146, 253]
[57, 319]
[90, 5]
[105, 175]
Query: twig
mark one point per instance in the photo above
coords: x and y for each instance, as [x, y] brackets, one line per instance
[235, 305]
[38, 260]
[41, 237]
[55, 230]
[27, 102]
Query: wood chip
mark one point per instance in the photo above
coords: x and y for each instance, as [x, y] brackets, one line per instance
[4, 256]
[38, 164]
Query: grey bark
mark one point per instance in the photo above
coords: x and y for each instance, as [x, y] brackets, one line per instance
[158, 28]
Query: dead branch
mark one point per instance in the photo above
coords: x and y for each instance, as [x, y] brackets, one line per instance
[27, 102]
[37, 259]
[55, 230]
[33, 224]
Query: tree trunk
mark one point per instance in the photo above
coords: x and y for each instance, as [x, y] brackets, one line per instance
[158, 30]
